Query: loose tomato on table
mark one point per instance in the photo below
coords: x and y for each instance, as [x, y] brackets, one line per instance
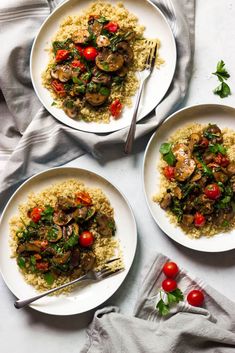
[83, 198]
[36, 214]
[62, 54]
[169, 285]
[111, 27]
[86, 239]
[199, 220]
[78, 63]
[212, 191]
[169, 172]
[90, 53]
[115, 108]
[58, 87]
[170, 269]
[195, 297]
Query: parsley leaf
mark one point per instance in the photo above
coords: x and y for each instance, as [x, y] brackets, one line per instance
[162, 308]
[221, 72]
[223, 90]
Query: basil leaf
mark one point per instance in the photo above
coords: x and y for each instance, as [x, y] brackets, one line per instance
[165, 148]
[21, 262]
[49, 278]
[169, 158]
[223, 90]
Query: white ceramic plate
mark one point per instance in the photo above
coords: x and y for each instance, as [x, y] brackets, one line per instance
[222, 115]
[156, 27]
[85, 297]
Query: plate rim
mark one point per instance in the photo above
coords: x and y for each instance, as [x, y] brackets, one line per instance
[65, 3]
[117, 189]
[170, 117]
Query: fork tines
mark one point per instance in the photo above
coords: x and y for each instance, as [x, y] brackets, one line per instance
[151, 58]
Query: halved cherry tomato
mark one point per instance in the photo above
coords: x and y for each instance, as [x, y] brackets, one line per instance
[212, 191]
[195, 297]
[169, 172]
[170, 269]
[36, 214]
[111, 27]
[169, 285]
[79, 49]
[115, 108]
[90, 53]
[221, 160]
[86, 239]
[83, 198]
[199, 219]
[62, 54]
[42, 266]
[78, 63]
[58, 87]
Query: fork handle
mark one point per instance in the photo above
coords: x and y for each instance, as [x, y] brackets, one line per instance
[131, 133]
[20, 303]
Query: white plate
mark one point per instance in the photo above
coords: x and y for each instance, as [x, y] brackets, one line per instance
[156, 27]
[85, 297]
[222, 115]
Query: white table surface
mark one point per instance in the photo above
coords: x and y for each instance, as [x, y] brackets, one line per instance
[27, 331]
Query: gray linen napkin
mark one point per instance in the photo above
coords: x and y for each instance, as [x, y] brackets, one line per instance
[31, 140]
[187, 329]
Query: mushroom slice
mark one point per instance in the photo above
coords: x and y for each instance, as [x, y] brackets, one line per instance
[102, 41]
[64, 73]
[126, 51]
[106, 224]
[28, 247]
[70, 108]
[100, 77]
[54, 72]
[181, 151]
[80, 36]
[90, 213]
[61, 258]
[75, 257]
[61, 218]
[72, 228]
[95, 99]
[109, 61]
[166, 201]
[184, 169]
[54, 233]
[88, 261]
[80, 213]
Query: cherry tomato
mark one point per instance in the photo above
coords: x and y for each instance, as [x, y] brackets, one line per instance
[58, 87]
[212, 191]
[90, 53]
[111, 27]
[170, 269]
[169, 285]
[221, 160]
[42, 266]
[169, 172]
[86, 239]
[61, 55]
[79, 49]
[199, 219]
[195, 297]
[204, 143]
[115, 108]
[83, 198]
[35, 214]
[78, 63]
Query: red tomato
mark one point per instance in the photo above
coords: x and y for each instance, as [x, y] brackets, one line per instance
[79, 49]
[221, 160]
[35, 214]
[61, 55]
[58, 87]
[115, 108]
[90, 53]
[169, 172]
[195, 297]
[86, 239]
[204, 142]
[169, 285]
[83, 198]
[212, 191]
[199, 220]
[78, 63]
[42, 266]
[41, 243]
[170, 269]
[111, 27]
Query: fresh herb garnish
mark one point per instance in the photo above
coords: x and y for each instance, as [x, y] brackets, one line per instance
[104, 91]
[61, 45]
[102, 19]
[167, 153]
[49, 278]
[47, 214]
[174, 297]
[53, 103]
[218, 148]
[21, 262]
[223, 90]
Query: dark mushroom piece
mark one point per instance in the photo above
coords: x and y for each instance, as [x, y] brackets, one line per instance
[95, 27]
[70, 229]
[187, 220]
[54, 233]
[61, 259]
[28, 247]
[108, 61]
[220, 176]
[80, 214]
[70, 108]
[122, 72]
[184, 169]
[101, 77]
[213, 132]
[106, 224]
[90, 213]
[61, 218]
[65, 203]
[166, 201]
[95, 99]
[88, 261]
[75, 258]
[126, 51]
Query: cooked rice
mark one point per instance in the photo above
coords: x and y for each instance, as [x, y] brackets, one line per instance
[141, 47]
[104, 248]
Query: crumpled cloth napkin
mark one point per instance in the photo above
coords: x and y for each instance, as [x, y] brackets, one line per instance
[31, 140]
[187, 329]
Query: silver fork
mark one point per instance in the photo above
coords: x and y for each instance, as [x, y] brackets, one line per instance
[149, 66]
[92, 275]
